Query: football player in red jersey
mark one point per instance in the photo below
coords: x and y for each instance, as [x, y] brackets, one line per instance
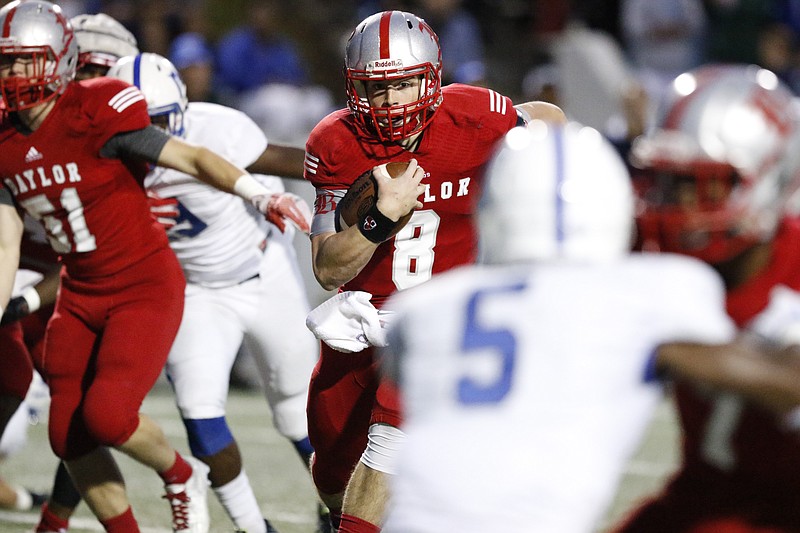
[101, 42]
[75, 155]
[109, 40]
[717, 181]
[397, 111]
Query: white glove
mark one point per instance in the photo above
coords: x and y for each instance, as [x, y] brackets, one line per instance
[281, 207]
[348, 322]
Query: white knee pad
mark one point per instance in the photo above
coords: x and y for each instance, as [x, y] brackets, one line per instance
[289, 415]
[383, 444]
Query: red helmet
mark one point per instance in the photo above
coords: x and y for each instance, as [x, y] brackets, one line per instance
[387, 46]
[39, 32]
[715, 175]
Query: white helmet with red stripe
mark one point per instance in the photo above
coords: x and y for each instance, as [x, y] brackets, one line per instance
[715, 175]
[102, 40]
[38, 35]
[555, 192]
[388, 46]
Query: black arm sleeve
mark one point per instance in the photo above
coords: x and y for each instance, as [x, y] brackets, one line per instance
[146, 144]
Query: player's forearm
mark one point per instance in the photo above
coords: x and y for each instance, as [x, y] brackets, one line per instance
[277, 160]
[339, 257]
[738, 368]
[7, 272]
[10, 236]
[47, 289]
[220, 173]
[208, 167]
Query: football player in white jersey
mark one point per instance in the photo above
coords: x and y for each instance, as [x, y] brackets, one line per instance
[528, 380]
[243, 286]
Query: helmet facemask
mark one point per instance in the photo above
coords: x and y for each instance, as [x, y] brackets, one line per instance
[38, 44]
[391, 47]
[88, 69]
[38, 85]
[716, 174]
[397, 122]
[700, 210]
[168, 118]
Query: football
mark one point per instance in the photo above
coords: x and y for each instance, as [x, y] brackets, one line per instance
[363, 194]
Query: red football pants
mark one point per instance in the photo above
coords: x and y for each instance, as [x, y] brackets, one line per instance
[345, 397]
[106, 344]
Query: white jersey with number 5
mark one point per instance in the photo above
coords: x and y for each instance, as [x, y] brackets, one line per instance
[527, 388]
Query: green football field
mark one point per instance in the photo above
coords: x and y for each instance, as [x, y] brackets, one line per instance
[279, 480]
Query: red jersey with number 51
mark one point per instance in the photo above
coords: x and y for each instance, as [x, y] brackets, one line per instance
[94, 209]
[453, 152]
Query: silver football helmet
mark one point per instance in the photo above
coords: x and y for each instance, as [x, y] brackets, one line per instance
[102, 40]
[389, 46]
[555, 192]
[163, 89]
[717, 172]
[38, 36]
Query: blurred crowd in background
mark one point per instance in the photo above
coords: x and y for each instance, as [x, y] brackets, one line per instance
[604, 61]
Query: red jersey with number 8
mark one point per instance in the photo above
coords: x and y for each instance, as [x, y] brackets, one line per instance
[453, 151]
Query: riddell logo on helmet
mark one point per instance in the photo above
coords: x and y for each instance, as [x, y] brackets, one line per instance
[386, 63]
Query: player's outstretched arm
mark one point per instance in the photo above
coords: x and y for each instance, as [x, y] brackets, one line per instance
[279, 160]
[763, 375]
[10, 238]
[209, 167]
[205, 165]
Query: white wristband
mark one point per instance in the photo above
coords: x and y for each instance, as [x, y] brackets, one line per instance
[246, 187]
[33, 299]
